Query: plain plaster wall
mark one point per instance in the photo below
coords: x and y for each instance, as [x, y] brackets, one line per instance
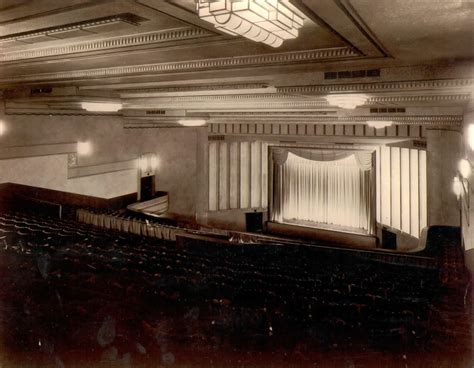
[51, 173]
[176, 148]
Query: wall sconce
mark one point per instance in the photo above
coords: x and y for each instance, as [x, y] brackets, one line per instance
[147, 164]
[3, 128]
[464, 167]
[457, 186]
[84, 148]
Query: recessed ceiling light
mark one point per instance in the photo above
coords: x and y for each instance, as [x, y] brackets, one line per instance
[192, 122]
[347, 101]
[101, 106]
[379, 124]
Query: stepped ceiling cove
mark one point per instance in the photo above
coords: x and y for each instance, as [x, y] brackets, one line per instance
[150, 54]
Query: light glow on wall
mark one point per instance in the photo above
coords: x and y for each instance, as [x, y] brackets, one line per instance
[101, 106]
[3, 128]
[143, 163]
[154, 162]
[84, 148]
[347, 101]
[457, 186]
[470, 136]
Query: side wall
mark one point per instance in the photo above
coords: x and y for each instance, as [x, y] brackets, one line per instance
[468, 206]
[176, 149]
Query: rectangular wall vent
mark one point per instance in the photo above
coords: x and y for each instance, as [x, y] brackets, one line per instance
[155, 112]
[347, 74]
[41, 90]
[387, 110]
[419, 144]
[216, 138]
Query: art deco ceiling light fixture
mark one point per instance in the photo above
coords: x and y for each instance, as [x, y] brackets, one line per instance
[347, 101]
[267, 21]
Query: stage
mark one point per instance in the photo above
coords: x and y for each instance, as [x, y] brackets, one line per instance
[334, 235]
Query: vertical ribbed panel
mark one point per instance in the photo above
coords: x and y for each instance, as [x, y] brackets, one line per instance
[402, 189]
[395, 187]
[405, 189]
[264, 168]
[223, 176]
[213, 176]
[238, 175]
[414, 193]
[385, 189]
[234, 185]
[423, 190]
[378, 185]
[256, 174]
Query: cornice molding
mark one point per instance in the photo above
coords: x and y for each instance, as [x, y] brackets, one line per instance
[434, 84]
[193, 65]
[428, 120]
[316, 99]
[111, 43]
[191, 88]
[427, 98]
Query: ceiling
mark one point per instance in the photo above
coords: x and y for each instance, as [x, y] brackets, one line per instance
[158, 55]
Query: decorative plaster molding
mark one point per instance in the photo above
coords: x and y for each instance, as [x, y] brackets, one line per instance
[196, 88]
[193, 65]
[428, 120]
[81, 171]
[72, 160]
[434, 84]
[37, 150]
[111, 43]
[427, 98]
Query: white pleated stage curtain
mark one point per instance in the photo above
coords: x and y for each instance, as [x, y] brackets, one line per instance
[335, 190]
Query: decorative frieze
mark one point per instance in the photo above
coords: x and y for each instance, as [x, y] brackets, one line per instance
[435, 84]
[110, 43]
[192, 65]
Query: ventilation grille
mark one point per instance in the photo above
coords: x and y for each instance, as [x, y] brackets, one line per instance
[156, 112]
[347, 74]
[216, 138]
[387, 110]
[41, 90]
[419, 144]
[89, 25]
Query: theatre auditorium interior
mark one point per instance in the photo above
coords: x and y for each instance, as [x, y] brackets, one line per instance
[236, 183]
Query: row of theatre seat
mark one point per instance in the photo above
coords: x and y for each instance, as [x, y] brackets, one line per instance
[304, 284]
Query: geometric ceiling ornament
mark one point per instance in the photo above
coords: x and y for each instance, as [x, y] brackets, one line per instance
[267, 21]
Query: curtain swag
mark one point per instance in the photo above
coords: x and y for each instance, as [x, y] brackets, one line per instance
[363, 159]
